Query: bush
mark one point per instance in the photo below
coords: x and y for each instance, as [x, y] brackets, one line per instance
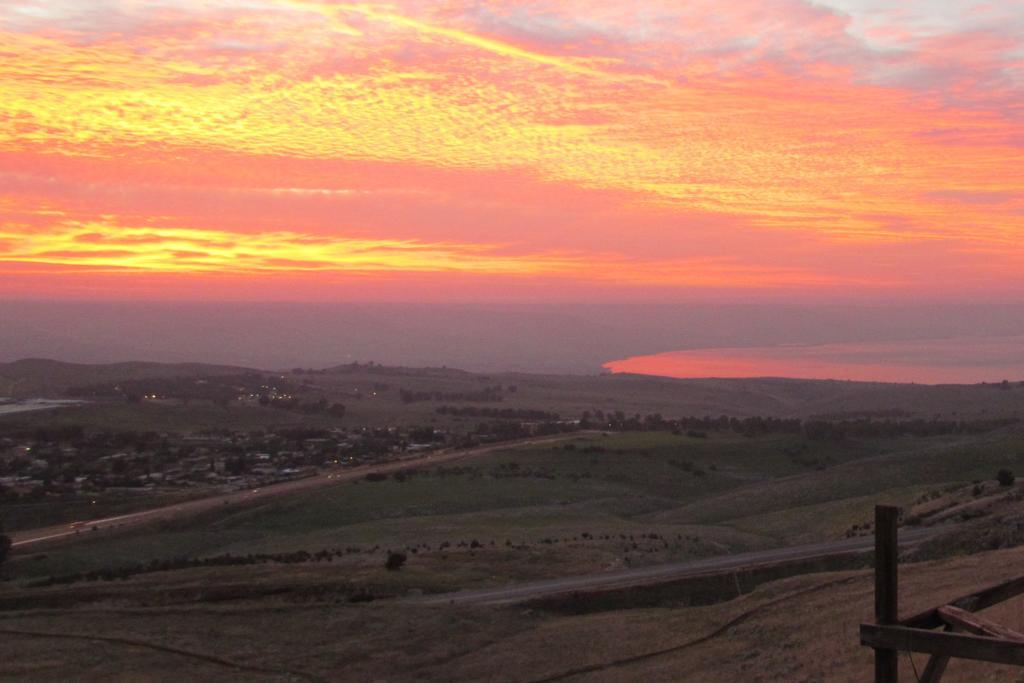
[5, 544]
[395, 561]
[1005, 477]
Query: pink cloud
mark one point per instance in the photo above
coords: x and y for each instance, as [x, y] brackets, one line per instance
[782, 138]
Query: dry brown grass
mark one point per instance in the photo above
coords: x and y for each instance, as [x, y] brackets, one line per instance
[799, 629]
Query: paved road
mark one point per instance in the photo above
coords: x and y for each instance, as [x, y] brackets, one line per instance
[663, 572]
[83, 530]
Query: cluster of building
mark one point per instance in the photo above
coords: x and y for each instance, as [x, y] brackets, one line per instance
[65, 465]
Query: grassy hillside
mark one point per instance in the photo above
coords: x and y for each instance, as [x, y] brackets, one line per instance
[798, 629]
[593, 503]
[285, 601]
[166, 417]
[42, 377]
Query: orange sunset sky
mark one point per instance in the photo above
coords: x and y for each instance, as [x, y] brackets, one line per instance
[511, 150]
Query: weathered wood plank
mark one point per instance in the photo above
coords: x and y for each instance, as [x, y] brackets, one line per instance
[993, 595]
[934, 669]
[966, 646]
[972, 602]
[936, 665]
[975, 623]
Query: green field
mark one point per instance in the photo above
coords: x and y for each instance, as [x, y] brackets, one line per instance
[587, 504]
[35, 515]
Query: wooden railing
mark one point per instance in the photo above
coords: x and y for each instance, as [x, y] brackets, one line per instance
[965, 634]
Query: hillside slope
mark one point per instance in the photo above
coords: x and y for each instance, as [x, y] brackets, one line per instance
[44, 377]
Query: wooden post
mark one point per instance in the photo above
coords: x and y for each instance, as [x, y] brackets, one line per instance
[886, 582]
[936, 666]
[967, 635]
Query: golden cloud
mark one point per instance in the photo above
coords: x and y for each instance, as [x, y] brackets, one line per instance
[95, 247]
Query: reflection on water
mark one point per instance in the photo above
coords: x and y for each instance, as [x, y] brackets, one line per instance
[934, 361]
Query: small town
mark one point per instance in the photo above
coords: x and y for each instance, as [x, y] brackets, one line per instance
[69, 462]
[64, 463]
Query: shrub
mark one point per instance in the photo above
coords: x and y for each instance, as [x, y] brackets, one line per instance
[395, 561]
[1005, 477]
[5, 546]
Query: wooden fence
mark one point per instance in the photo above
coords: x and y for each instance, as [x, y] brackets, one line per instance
[964, 634]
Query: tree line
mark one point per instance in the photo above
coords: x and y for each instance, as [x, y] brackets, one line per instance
[499, 413]
[818, 429]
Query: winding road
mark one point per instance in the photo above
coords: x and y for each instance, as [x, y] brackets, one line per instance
[668, 572]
